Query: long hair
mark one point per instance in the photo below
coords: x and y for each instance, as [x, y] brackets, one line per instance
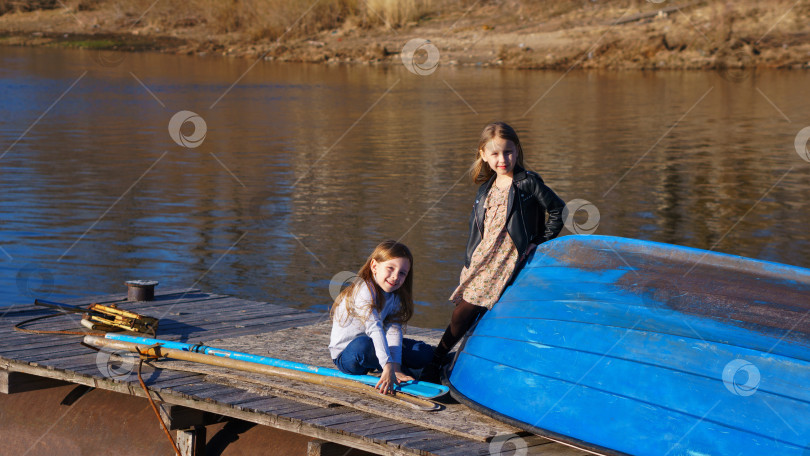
[386, 250]
[480, 171]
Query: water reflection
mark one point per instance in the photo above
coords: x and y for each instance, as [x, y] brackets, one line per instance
[305, 168]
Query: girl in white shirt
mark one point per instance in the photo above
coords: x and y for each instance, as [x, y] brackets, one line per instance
[368, 315]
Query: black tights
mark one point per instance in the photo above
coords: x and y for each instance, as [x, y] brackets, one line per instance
[464, 315]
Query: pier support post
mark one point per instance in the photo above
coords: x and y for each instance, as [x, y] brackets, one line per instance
[178, 417]
[191, 442]
[190, 426]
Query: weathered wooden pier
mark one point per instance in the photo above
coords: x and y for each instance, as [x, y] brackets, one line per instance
[192, 397]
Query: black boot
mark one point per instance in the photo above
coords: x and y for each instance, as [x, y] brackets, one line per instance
[432, 373]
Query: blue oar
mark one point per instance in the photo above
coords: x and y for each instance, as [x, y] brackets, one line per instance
[421, 389]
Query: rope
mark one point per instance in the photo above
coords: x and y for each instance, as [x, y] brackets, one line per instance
[18, 327]
[144, 355]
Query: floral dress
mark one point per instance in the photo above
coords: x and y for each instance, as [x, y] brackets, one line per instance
[494, 258]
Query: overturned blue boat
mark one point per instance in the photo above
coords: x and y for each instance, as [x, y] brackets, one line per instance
[623, 346]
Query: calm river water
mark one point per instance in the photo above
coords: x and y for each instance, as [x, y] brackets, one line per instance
[304, 168]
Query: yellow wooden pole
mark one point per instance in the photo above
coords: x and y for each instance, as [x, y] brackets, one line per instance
[334, 382]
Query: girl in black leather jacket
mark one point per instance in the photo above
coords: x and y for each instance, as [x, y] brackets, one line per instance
[508, 221]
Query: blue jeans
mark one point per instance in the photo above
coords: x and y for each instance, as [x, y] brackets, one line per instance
[359, 357]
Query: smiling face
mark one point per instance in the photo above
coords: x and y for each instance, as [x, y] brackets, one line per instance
[391, 274]
[500, 154]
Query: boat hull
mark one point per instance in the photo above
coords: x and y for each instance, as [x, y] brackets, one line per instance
[632, 347]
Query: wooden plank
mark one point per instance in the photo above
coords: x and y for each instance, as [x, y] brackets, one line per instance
[307, 429]
[191, 389]
[260, 404]
[280, 409]
[468, 449]
[14, 344]
[437, 443]
[216, 394]
[163, 377]
[67, 359]
[320, 412]
[374, 424]
[91, 368]
[235, 318]
[195, 308]
[15, 314]
[20, 308]
[209, 303]
[18, 382]
[257, 328]
[182, 380]
[244, 395]
[240, 321]
[401, 439]
[336, 420]
[202, 299]
[384, 434]
[159, 293]
[66, 362]
[21, 345]
[58, 344]
[225, 396]
[60, 322]
[41, 345]
[292, 407]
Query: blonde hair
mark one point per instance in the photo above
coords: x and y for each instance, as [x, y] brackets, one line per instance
[386, 250]
[481, 172]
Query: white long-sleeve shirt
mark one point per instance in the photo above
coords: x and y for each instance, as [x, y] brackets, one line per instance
[387, 338]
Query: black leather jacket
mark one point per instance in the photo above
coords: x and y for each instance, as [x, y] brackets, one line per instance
[526, 221]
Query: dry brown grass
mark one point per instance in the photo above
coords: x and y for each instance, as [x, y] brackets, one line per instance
[256, 19]
[8, 6]
[397, 12]
[270, 19]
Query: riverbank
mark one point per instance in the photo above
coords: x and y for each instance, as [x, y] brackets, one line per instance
[524, 35]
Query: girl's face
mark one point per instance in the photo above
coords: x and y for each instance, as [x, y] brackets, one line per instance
[501, 155]
[390, 275]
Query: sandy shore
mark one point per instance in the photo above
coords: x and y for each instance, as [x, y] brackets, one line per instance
[646, 35]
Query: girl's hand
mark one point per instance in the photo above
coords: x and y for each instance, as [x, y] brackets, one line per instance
[402, 376]
[388, 378]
